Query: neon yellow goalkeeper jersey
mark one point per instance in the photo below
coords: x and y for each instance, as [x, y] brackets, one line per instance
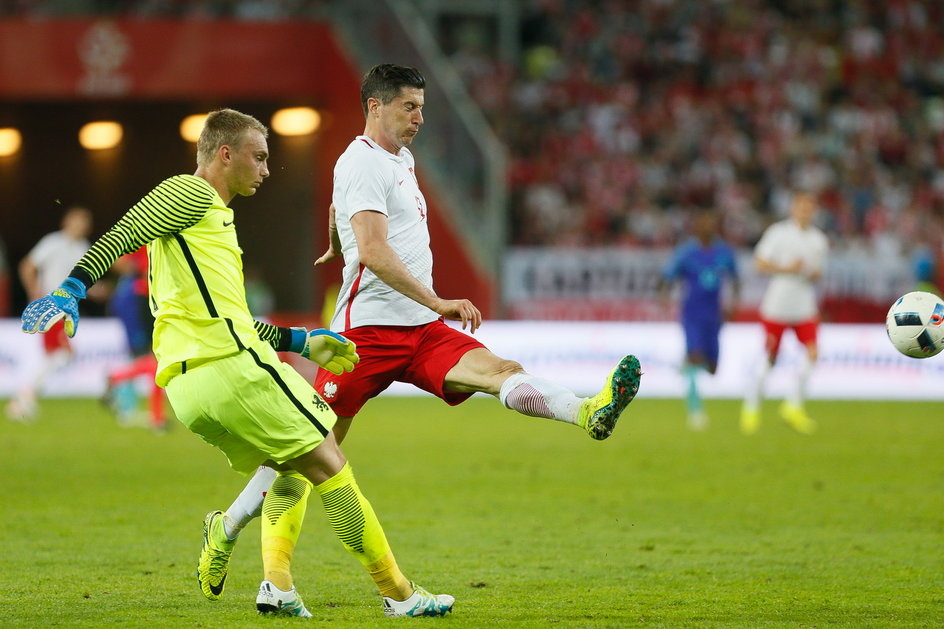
[195, 274]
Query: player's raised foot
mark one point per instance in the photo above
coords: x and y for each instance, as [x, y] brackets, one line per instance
[797, 418]
[750, 420]
[272, 600]
[214, 557]
[598, 415]
[420, 603]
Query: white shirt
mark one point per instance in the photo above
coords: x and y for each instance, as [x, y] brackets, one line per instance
[367, 177]
[55, 255]
[791, 297]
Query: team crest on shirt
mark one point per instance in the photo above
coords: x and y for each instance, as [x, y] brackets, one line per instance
[330, 389]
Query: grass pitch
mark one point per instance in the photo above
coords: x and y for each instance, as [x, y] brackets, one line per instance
[527, 522]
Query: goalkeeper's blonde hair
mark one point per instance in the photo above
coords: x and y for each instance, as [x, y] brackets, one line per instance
[225, 127]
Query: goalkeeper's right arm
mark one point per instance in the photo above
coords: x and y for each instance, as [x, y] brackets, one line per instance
[175, 204]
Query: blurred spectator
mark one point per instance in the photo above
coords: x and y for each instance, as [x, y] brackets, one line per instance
[925, 269]
[621, 116]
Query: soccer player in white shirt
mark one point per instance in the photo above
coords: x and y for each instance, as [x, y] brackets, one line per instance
[41, 271]
[793, 252]
[388, 307]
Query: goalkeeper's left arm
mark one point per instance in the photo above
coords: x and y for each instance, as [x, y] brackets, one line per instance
[329, 349]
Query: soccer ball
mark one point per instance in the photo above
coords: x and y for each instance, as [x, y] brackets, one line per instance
[915, 324]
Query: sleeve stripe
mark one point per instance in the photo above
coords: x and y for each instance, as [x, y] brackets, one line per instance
[174, 205]
[279, 338]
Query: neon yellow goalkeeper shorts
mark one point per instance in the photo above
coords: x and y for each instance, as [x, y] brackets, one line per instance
[252, 406]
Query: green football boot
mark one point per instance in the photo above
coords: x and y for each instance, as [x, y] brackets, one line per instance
[214, 557]
[598, 415]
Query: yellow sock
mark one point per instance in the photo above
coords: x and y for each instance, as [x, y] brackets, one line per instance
[390, 581]
[283, 512]
[357, 526]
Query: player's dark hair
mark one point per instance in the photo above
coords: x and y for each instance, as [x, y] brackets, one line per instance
[385, 81]
[224, 126]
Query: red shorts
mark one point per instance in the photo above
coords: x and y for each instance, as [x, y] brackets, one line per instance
[56, 339]
[805, 332]
[421, 356]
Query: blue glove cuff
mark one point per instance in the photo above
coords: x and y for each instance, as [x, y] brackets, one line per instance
[327, 332]
[74, 287]
[299, 339]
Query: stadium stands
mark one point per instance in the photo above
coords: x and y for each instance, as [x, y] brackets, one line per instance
[622, 115]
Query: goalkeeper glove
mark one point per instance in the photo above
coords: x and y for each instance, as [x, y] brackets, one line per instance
[62, 303]
[329, 349]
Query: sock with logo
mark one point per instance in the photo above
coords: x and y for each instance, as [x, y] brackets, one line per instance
[357, 526]
[537, 397]
[283, 512]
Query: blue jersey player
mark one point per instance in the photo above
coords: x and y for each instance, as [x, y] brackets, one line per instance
[701, 265]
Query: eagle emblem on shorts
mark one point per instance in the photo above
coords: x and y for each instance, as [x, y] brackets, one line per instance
[330, 389]
[320, 404]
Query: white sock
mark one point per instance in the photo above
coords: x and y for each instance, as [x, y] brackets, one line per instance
[57, 360]
[248, 504]
[755, 392]
[51, 363]
[27, 395]
[537, 397]
[798, 395]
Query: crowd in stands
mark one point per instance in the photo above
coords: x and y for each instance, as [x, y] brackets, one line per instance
[623, 115]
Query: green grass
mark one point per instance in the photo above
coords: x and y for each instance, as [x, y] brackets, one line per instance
[528, 523]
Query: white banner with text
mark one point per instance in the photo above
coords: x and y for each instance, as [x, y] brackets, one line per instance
[856, 361]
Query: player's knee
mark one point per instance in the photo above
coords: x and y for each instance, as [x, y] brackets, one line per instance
[508, 368]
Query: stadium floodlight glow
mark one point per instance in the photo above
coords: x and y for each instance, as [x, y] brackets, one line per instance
[103, 134]
[192, 126]
[296, 121]
[10, 141]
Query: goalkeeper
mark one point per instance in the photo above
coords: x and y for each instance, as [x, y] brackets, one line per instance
[220, 368]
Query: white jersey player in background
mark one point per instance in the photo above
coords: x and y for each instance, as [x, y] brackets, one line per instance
[41, 271]
[793, 252]
[388, 308]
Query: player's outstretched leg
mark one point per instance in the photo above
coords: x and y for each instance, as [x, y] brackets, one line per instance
[598, 415]
[214, 557]
[420, 603]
